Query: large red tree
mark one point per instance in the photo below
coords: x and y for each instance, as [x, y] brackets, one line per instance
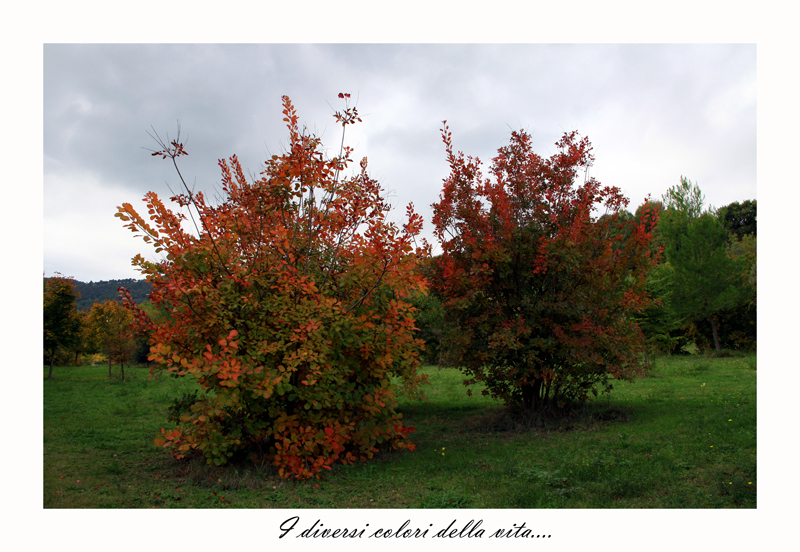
[539, 274]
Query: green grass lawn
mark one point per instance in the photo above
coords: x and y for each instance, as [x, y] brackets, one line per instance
[683, 438]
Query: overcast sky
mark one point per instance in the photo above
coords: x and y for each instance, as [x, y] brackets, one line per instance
[652, 112]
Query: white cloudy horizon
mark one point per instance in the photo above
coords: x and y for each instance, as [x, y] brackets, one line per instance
[653, 113]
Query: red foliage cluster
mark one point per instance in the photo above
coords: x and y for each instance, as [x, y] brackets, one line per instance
[537, 287]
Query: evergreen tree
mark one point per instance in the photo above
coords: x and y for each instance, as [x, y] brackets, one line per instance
[703, 279]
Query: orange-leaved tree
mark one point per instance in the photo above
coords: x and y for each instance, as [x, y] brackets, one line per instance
[109, 328]
[537, 284]
[289, 304]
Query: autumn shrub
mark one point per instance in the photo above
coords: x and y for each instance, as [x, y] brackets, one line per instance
[109, 328]
[540, 274]
[289, 304]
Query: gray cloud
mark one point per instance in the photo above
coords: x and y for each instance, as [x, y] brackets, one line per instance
[653, 113]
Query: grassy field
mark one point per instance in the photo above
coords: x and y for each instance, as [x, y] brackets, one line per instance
[683, 438]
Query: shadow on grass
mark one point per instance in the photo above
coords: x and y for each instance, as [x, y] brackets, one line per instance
[500, 419]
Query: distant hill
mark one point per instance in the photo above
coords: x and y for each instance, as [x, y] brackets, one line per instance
[97, 292]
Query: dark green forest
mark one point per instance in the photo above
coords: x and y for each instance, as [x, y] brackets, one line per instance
[97, 292]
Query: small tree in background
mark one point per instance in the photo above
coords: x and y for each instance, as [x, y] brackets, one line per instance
[110, 329]
[737, 325]
[61, 323]
[289, 305]
[703, 278]
[739, 219]
[537, 290]
[80, 346]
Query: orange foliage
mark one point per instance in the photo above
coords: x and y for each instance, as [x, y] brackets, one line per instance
[289, 304]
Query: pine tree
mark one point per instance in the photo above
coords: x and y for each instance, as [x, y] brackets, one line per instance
[703, 279]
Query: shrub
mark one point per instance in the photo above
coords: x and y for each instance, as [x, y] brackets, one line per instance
[289, 305]
[538, 291]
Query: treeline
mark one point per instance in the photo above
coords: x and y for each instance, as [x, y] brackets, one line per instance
[103, 290]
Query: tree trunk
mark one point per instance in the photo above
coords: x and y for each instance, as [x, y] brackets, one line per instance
[109, 367]
[527, 397]
[530, 395]
[714, 331]
[52, 360]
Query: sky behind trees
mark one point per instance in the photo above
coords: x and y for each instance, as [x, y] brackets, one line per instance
[654, 113]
